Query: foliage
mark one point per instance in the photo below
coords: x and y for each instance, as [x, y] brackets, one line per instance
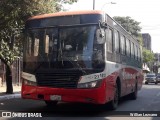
[134, 29]
[148, 56]
[140, 39]
[130, 25]
[14, 13]
[6, 54]
[61, 2]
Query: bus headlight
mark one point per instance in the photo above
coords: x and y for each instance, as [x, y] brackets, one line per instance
[28, 82]
[93, 84]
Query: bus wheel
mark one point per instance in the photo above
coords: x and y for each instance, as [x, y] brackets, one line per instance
[133, 95]
[51, 103]
[114, 103]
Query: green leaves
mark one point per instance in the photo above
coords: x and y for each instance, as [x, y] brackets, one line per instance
[6, 53]
[134, 29]
[129, 24]
[13, 14]
[148, 56]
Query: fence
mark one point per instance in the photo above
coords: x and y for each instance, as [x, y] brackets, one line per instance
[16, 72]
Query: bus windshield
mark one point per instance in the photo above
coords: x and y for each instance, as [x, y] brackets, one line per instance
[63, 47]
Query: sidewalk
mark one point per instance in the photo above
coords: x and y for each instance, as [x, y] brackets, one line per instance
[16, 92]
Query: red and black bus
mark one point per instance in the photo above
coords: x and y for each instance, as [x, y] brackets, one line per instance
[81, 56]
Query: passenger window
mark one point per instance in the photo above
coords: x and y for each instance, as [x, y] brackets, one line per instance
[123, 44]
[136, 52]
[139, 55]
[117, 41]
[128, 47]
[109, 37]
[132, 49]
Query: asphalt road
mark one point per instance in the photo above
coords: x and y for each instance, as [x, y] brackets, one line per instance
[147, 103]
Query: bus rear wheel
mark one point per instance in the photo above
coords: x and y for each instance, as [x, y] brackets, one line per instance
[133, 96]
[51, 103]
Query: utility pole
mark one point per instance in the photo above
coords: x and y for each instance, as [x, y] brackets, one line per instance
[93, 4]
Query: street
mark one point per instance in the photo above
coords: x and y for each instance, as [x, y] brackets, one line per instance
[148, 100]
[68, 54]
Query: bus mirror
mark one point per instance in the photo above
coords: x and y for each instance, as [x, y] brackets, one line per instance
[100, 38]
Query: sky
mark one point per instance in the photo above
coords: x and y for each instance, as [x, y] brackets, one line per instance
[147, 12]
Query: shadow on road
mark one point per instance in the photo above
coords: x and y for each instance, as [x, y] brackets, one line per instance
[73, 110]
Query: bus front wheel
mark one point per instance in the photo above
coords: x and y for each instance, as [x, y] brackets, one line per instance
[114, 103]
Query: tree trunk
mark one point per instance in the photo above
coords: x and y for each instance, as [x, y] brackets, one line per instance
[9, 87]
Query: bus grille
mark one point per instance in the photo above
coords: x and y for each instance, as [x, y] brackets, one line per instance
[58, 79]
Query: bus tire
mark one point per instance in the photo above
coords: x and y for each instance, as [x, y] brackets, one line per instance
[51, 103]
[114, 103]
[133, 96]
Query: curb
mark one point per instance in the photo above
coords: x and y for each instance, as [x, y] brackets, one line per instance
[11, 96]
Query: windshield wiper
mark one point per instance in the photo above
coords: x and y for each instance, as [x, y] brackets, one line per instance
[73, 63]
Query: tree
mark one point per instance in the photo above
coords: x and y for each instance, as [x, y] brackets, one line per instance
[13, 14]
[148, 56]
[134, 29]
[130, 25]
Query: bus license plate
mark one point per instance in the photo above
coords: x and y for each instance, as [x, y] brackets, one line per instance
[55, 97]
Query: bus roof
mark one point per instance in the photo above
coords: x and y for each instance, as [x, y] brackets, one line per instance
[82, 12]
[68, 13]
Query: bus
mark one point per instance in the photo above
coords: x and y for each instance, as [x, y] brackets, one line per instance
[79, 56]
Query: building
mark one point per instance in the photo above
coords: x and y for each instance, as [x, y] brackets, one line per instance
[147, 44]
[157, 57]
[147, 41]
[156, 66]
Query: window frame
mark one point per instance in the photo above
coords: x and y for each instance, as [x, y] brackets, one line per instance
[117, 38]
[111, 40]
[128, 47]
[123, 46]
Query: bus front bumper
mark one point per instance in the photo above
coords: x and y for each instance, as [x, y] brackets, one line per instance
[95, 95]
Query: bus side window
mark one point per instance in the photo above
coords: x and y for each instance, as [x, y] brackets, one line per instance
[139, 55]
[117, 41]
[132, 50]
[123, 44]
[128, 47]
[136, 52]
[109, 39]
